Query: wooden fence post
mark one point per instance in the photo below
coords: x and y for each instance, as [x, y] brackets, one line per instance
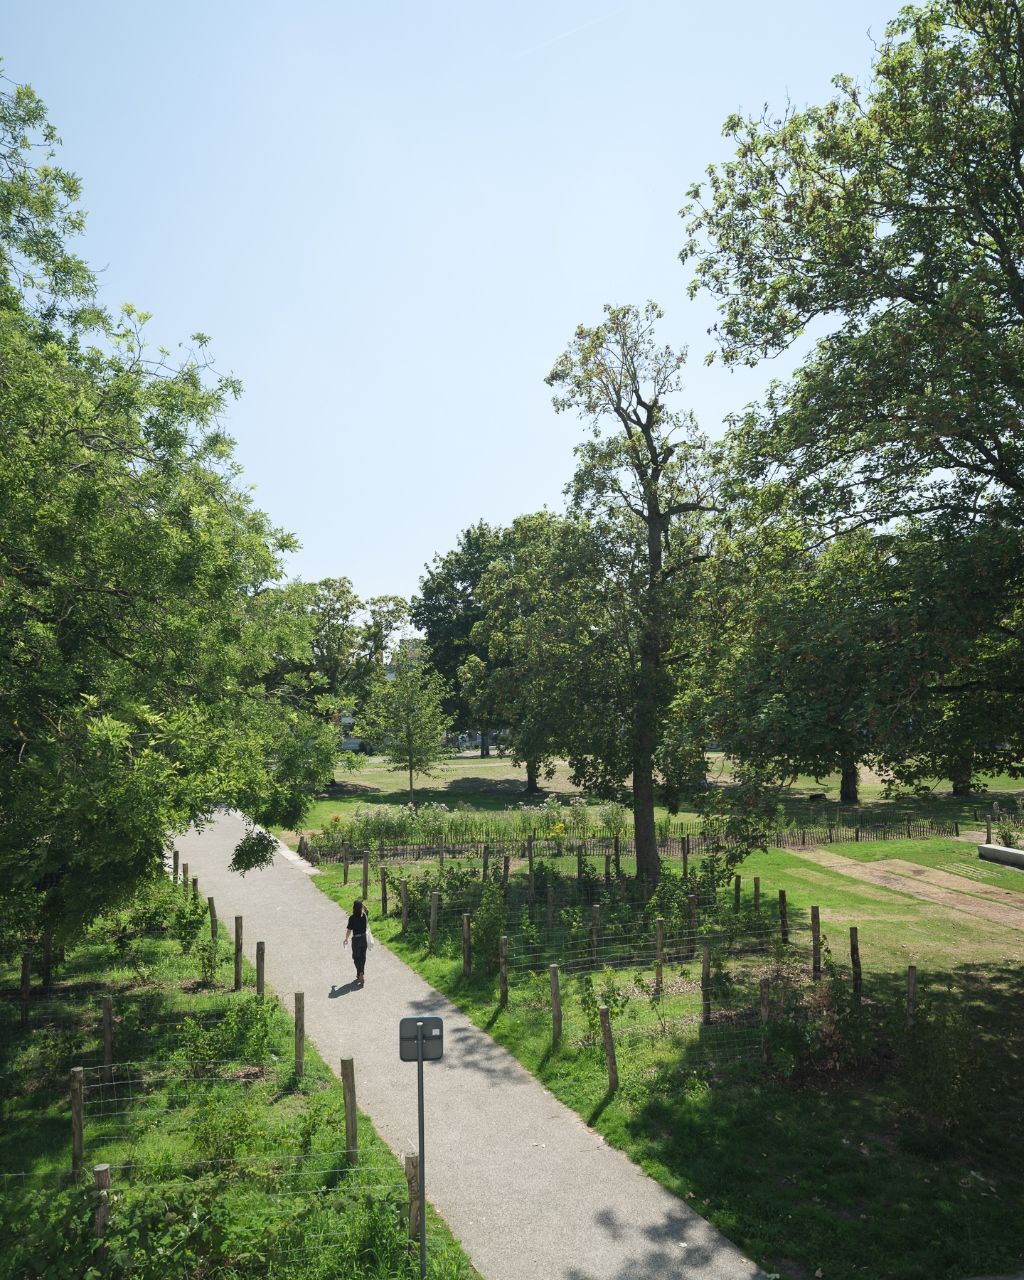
[213, 919]
[503, 969]
[855, 962]
[609, 1049]
[783, 917]
[988, 830]
[911, 993]
[300, 1034]
[195, 888]
[705, 982]
[184, 877]
[238, 953]
[765, 1009]
[101, 1177]
[348, 1087]
[736, 894]
[404, 887]
[261, 960]
[344, 867]
[107, 1074]
[691, 936]
[856, 834]
[529, 863]
[174, 867]
[77, 1121]
[607, 868]
[467, 953]
[815, 943]
[556, 1005]
[366, 876]
[549, 918]
[384, 892]
[659, 953]
[435, 899]
[26, 983]
[595, 930]
[412, 1182]
[618, 860]
[757, 894]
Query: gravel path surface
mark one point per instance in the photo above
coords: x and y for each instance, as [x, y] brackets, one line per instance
[530, 1191]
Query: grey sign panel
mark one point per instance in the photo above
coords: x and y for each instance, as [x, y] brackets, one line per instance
[408, 1038]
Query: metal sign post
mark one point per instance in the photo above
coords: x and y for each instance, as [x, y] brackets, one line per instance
[421, 1040]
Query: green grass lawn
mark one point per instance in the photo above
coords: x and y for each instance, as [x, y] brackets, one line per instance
[953, 856]
[218, 1153]
[903, 1164]
[492, 784]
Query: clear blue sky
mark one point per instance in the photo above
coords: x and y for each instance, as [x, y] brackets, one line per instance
[391, 216]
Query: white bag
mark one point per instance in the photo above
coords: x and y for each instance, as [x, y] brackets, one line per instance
[371, 941]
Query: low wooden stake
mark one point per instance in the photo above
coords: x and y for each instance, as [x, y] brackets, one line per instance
[213, 919]
[344, 868]
[300, 1034]
[757, 894]
[435, 900]
[486, 860]
[174, 867]
[911, 993]
[855, 961]
[101, 1177]
[107, 1074]
[412, 1182]
[503, 969]
[529, 863]
[77, 1121]
[609, 1049]
[765, 1009]
[195, 888]
[506, 866]
[556, 1005]
[815, 943]
[988, 830]
[26, 984]
[618, 860]
[261, 959]
[238, 953]
[184, 877]
[659, 953]
[467, 952]
[783, 917]
[404, 888]
[348, 1087]
[705, 982]
[607, 868]
[384, 892]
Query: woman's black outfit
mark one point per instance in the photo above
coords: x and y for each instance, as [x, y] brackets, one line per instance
[357, 924]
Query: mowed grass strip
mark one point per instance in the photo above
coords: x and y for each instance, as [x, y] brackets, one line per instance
[837, 1172]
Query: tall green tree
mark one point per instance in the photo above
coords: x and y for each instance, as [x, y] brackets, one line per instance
[446, 610]
[646, 485]
[891, 217]
[134, 580]
[405, 717]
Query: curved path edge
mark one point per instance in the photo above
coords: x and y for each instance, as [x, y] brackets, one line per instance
[530, 1191]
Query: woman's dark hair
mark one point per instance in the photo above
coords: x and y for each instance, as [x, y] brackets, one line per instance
[357, 907]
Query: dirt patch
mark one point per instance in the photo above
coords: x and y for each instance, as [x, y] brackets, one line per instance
[919, 886]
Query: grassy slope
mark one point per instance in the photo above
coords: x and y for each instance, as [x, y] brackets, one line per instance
[243, 1115]
[829, 1175]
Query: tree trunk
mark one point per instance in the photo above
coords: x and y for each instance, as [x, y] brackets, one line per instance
[532, 784]
[485, 746]
[848, 793]
[412, 794]
[961, 775]
[645, 835]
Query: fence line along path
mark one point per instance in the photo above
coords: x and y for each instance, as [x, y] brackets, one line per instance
[523, 1183]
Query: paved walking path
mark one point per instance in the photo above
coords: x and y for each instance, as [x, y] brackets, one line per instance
[987, 902]
[530, 1191]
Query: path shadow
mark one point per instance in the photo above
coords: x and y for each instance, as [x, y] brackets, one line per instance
[343, 990]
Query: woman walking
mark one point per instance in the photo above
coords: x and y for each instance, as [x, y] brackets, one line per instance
[357, 932]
